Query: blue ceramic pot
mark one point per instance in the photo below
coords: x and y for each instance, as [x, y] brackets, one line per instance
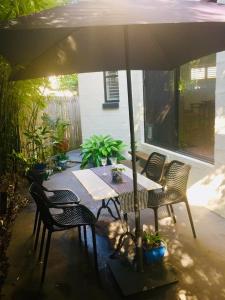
[40, 166]
[154, 255]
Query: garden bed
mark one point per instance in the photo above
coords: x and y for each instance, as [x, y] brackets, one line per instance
[17, 197]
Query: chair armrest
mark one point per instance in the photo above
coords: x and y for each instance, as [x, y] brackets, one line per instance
[61, 205]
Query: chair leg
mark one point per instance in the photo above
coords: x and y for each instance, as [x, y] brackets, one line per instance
[168, 210]
[117, 210]
[156, 219]
[190, 218]
[85, 237]
[79, 234]
[46, 256]
[37, 234]
[35, 221]
[173, 215]
[94, 248]
[42, 242]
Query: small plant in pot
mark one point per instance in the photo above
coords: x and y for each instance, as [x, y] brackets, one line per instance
[117, 175]
[154, 247]
[61, 160]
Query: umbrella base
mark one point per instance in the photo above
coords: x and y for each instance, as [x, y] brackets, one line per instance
[132, 282]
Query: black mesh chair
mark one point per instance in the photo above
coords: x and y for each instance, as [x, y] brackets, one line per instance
[56, 197]
[154, 169]
[174, 191]
[154, 166]
[67, 218]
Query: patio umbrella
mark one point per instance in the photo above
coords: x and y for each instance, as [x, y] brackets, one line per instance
[99, 35]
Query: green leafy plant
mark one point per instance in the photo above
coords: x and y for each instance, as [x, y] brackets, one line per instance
[20, 99]
[98, 146]
[38, 143]
[61, 157]
[58, 129]
[152, 240]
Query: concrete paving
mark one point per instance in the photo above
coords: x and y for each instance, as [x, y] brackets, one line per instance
[200, 263]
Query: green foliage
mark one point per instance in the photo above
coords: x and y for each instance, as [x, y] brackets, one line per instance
[20, 102]
[10, 9]
[100, 146]
[38, 144]
[9, 115]
[68, 82]
[23, 162]
[61, 157]
[57, 126]
[152, 240]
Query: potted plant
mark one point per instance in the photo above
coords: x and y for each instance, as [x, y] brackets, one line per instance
[117, 175]
[154, 247]
[61, 160]
[38, 149]
[98, 146]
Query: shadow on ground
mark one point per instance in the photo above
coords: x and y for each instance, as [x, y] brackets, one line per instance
[200, 263]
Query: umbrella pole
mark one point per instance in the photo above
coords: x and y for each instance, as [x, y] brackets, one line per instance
[138, 231]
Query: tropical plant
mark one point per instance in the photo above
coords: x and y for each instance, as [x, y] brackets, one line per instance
[18, 99]
[152, 240]
[61, 157]
[38, 143]
[96, 147]
[58, 129]
[10, 9]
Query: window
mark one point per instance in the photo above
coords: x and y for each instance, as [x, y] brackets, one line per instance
[180, 108]
[111, 85]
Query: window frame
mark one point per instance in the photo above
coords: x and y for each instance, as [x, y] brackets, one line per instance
[105, 76]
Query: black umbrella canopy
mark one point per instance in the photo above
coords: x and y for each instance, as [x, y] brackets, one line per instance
[89, 36]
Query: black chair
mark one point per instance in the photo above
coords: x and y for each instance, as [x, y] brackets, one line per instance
[176, 178]
[154, 166]
[69, 217]
[57, 197]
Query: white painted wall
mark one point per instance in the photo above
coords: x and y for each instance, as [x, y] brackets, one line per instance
[95, 119]
[207, 181]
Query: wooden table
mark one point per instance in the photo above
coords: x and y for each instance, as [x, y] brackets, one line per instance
[101, 188]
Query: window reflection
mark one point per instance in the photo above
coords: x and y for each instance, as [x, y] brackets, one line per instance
[180, 108]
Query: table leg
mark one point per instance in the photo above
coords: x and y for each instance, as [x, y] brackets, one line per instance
[121, 242]
[105, 206]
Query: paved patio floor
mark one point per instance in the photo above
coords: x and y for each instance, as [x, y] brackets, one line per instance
[200, 262]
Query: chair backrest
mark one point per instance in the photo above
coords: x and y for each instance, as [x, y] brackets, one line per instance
[176, 176]
[154, 166]
[35, 176]
[41, 201]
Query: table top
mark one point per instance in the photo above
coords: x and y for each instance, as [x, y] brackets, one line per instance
[100, 187]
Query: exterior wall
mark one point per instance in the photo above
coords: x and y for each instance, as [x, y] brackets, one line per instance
[95, 119]
[206, 184]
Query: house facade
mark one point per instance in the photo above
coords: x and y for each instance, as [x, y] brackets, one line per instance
[179, 113]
